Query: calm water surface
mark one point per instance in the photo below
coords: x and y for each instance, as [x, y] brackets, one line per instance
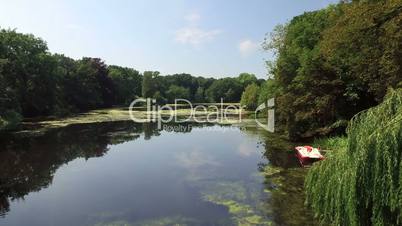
[136, 174]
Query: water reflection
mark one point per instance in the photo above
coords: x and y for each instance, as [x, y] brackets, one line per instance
[28, 163]
[284, 180]
[211, 179]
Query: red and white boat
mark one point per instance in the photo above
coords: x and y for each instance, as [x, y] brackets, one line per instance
[308, 155]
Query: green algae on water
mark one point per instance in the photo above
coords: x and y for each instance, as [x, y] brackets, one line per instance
[240, 199]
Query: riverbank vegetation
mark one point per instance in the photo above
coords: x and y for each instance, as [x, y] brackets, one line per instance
[332, 66]
[333, 63]
[360, 182]
[35, 82]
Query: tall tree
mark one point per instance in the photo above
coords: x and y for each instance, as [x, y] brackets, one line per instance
[127, 82]
[249, 98]
[29, 70]
[246, 79]
[199, 95]
[177, 92]
[229, 89]
[335, 62]
[149, 83]
[309, 90]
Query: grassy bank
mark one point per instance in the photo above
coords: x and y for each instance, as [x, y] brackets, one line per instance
[331, 144]
[360, 181]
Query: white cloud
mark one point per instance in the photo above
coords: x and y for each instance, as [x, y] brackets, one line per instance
[247, 47]
[193, 17]
[195, 35]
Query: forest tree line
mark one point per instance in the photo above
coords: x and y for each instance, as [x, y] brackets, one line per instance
[333, 63]
[34, 82]
[330, 64]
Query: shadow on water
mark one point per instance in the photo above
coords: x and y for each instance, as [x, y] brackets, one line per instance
[283, 181]
[28, 164]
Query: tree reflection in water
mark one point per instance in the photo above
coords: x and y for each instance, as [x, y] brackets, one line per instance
[28, 163]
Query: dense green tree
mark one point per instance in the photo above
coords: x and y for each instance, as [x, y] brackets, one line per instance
[309, 87]
[159, 98]
[364, 47]
[260, 81]
[66, 77]
[9, 110]
[168, 85]
[229, 89]
[88, 92]
[335, 62]
[127, 83]
[149, 83]
[205, 82]
[105, 83]
[249, 98]
[177, 92]
[269, 89]
[183, 80]
[28, 69]
[34, 82]
[246, 79]
[199, 95]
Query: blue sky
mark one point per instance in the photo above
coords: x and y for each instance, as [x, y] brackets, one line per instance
[212, 38]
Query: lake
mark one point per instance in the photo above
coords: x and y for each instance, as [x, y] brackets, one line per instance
[123, 173]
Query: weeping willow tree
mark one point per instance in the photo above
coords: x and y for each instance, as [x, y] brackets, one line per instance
[361, 183]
